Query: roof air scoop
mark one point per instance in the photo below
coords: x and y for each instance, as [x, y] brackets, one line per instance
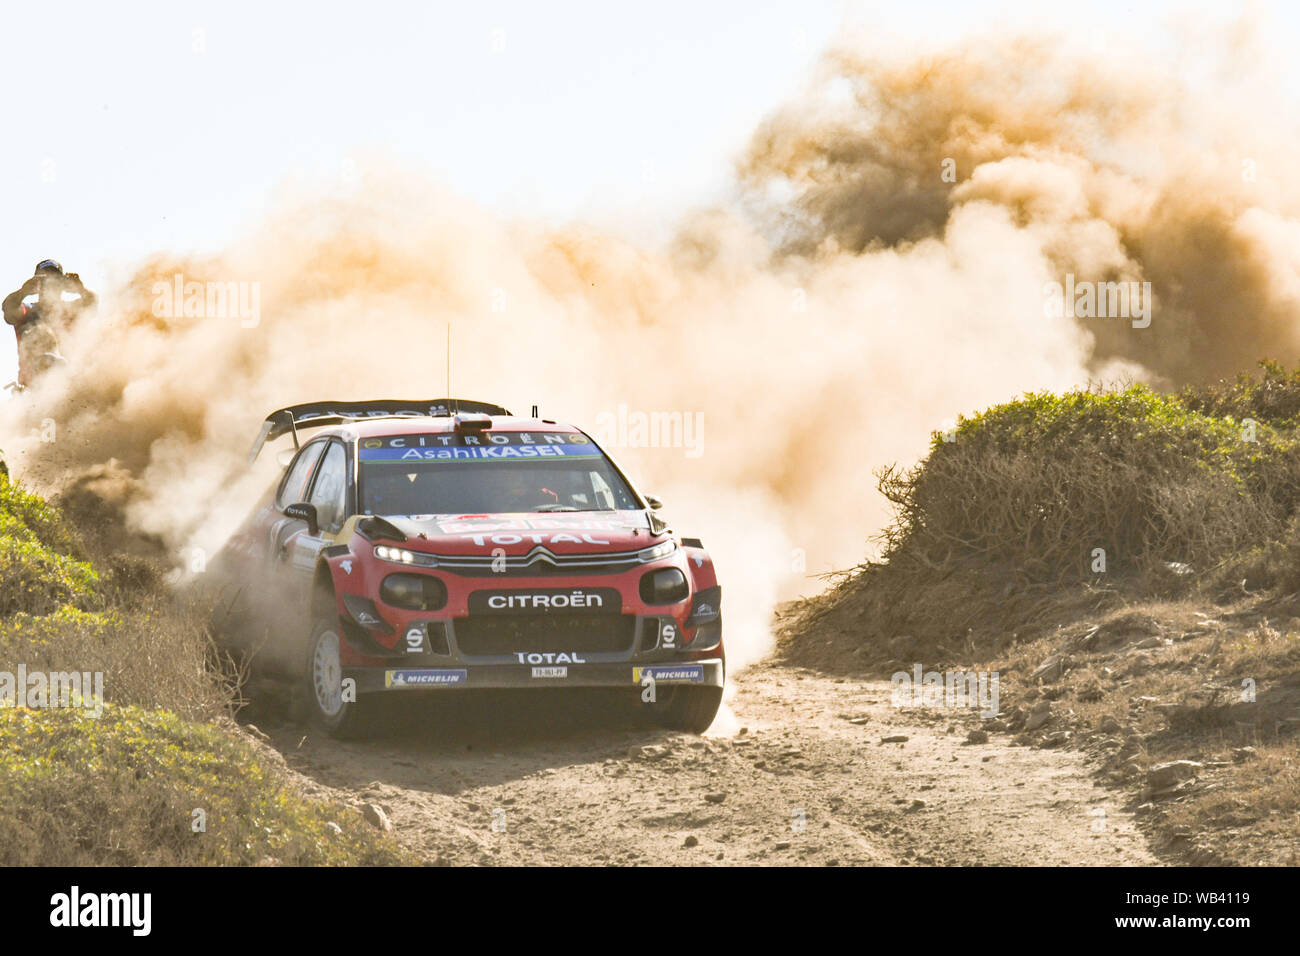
[472, 422]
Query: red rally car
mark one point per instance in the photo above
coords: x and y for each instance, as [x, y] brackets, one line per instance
[445, 545]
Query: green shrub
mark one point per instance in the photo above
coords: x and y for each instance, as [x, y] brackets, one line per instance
[1040, 483]
[121, 789]
[35, 580]
[998, 532]
[27, 517]
[1272, 396]
[42, 567]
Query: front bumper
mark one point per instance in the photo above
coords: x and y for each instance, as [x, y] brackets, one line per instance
[624, 674]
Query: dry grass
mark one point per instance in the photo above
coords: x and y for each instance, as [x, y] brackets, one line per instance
[155, 654]
[1249, 816]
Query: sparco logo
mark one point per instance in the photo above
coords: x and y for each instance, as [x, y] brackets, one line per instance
[501, 602]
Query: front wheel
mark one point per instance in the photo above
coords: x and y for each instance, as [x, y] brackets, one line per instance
[323, 691]
[685, 708]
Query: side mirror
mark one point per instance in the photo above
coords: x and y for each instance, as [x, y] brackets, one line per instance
[654, 501]
[305, 512]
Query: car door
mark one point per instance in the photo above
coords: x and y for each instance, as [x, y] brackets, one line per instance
[329, 495]
[294, 488]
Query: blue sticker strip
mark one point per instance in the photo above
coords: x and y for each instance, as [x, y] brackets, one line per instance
[668, 673]
[426, 677]
[480, 453]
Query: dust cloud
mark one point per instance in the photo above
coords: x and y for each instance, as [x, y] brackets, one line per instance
[881, 269]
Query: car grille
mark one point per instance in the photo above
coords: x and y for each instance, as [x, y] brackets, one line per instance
[539, 563]
[509, 634]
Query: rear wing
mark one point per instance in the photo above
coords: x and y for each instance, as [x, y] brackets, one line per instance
[319, 414]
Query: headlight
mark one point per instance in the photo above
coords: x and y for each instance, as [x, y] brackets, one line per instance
[401, 556]
[665, 586]
[661, 550]
[415, 592]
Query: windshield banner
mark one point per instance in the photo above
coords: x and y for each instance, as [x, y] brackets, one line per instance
[490, 446]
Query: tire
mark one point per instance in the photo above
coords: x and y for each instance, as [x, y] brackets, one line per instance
[321, 686]
[685, 708]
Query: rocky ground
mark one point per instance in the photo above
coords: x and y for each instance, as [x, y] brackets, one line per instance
[1187, 711]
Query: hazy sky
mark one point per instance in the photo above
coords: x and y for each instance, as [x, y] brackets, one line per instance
[136, 127]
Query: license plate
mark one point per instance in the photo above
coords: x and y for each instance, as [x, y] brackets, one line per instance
[550, 672]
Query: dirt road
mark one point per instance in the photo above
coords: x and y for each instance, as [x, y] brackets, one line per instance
[794, 773]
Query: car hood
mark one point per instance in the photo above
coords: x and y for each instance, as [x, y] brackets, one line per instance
[575, 532]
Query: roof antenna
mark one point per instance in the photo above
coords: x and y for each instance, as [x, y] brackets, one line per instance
[455, 405]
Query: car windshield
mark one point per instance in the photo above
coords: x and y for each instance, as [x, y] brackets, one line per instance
[491, 473]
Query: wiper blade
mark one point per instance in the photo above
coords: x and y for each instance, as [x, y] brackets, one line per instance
[555, 508]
